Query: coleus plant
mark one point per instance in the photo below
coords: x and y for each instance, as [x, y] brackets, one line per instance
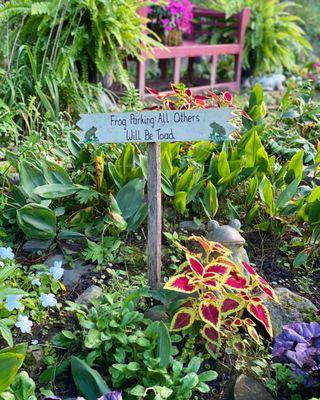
[220, 293]
[181, 98]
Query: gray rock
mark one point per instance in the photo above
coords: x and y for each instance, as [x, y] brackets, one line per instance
[248, 388]
[292, 308]
[34, 245]
[230, 237]
[192, 226]
[55, 257]
[72, 276]
[92, 293]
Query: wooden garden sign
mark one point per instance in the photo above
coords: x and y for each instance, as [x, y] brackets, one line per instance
[154, 127]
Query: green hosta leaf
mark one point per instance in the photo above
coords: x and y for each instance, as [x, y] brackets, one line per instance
[11, 359]
[73, 144]
[6, 333]
[55, 174]
[252, 190]
[37, 221]
[288, 193]
[164, 345]
[223, 165]
[55, 190]
[88, 381]
[30, 176]
[180, 202]
[266, 194]
[295, 167]
[130, 197]
[210, 200]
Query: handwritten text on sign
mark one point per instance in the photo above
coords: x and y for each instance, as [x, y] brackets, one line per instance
[157, 126]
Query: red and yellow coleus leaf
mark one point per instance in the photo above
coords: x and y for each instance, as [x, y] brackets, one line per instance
[261, 313]
[248, 321]
[210, 333]
[226, 261]
[236, 281]
[231, 304]
[195, 265]
[210, 247]
[183, 319]
[268, 290]
[210, 313]
[215, 268]
[251, 271]
[253, 333]
[236, 323]
[239, 346]
[212, 349]
[180, 283]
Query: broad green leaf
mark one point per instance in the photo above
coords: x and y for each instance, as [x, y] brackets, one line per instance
[55, 190]
[266, 194]
[11, 359]
[130, 197]
[55, 173]
[6, 333]
[295, 167]
[223, 165]
[37, 221]
[30, 176]
[210, 200]
[180, 202]
[89, 382]
[164, 345]
[288, 193]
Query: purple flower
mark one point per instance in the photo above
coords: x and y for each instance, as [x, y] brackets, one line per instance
[299, 346]
[115, 395]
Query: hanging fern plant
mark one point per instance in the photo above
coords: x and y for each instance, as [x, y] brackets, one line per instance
[95, 35]
[274, 37]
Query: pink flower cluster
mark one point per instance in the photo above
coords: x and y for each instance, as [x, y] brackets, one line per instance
[180, 15]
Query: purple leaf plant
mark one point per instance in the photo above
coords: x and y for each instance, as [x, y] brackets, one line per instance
[299, 346]
[115, 395]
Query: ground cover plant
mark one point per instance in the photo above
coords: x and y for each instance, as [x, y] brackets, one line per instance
[77, 319]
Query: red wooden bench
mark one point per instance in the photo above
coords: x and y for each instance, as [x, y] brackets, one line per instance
[203, 20]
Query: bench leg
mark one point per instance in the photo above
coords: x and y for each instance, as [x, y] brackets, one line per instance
[237, 67]
[214, 64]
[163, 65]
[177, 67]
[190, 69]
[141, 78]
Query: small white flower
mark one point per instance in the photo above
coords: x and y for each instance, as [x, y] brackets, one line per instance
[48, 300]
[34, 341]
[13, 303]
[1, 264]
[6, 253]
[57, 271]
[36, 281]
[24, 324]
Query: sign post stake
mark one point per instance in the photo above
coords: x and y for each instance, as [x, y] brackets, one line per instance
[154, 215]
[155, 127]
